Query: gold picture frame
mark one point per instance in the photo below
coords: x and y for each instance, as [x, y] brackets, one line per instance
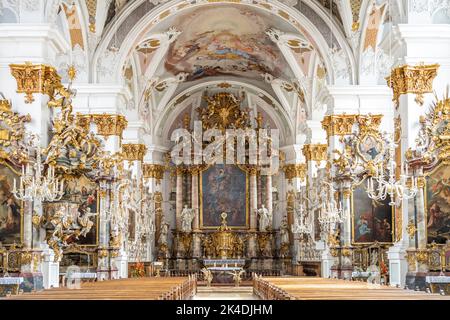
[247, 204]
[427, 174]
[352, 213]
[5, 163]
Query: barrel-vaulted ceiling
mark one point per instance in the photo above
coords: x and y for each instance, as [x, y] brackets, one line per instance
[282, 52]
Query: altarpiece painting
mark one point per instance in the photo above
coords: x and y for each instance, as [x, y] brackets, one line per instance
[371, 220]
[10, 208]
[224, 189]
[438, 205]
[80, 201]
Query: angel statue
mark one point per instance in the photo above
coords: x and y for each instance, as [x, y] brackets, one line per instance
[265, 218]
[237, 276]
[207, 276]
[187, 215]
[85, 222]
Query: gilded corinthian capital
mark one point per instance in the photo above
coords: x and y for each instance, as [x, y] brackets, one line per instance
[39, 78]
[315, 152]
[417, 80]
[132, 151]
[153, 171]
[339, 124]
[292, 171]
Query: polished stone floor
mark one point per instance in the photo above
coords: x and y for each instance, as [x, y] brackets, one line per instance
[225, 293]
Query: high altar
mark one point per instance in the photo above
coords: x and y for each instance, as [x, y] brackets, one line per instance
[219, 215]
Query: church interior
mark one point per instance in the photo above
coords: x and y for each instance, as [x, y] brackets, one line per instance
[237, 149]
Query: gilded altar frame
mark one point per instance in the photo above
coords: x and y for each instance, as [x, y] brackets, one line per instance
[97, 217]
[22, 203]
[427, 174]
[352, 201]
[247, 204]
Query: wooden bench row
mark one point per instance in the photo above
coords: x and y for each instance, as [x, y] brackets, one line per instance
[309, 288]
[156, 288]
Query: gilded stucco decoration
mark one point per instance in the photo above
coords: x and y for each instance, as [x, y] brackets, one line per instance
[292, 171]
[107, 124]
[33, 79]
[315, 152]
[134, 151]
[339, 125]
[223, 112]
[72, 149]
[416, 80]
[155, 171]
[12, 133]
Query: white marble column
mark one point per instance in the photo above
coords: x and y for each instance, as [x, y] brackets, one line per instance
[179, 198]
[253, 214]
[195, 206]
[269, 200]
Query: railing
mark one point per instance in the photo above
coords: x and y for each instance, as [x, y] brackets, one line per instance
[184, 291]
[266, 291]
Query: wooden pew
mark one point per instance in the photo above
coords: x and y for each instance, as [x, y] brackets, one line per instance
[123, 289]
[309, 288]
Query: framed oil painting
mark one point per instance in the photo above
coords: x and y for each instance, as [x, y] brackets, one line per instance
[437, 200]
[371, 220]
[11, 218]
[80, 199]
[223, 189]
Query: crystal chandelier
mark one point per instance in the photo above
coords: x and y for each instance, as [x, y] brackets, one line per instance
[384, 182]
[330, 212]
[302, 224]
[34, 185]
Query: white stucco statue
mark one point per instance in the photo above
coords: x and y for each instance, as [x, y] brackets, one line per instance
[187, 215]
[265, 219]
[163, 233]
[284, 232]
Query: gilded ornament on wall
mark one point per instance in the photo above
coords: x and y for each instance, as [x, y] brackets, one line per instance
[292, 171]
[12, 134]
[134, 151]
[416, 80]
[107, 124]
[223, 112]
[315, 152]
[32, 79]
[339, 125]
[153, 171]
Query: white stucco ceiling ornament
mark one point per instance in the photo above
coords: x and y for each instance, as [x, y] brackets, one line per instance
[340, 64]
[289, 3]
[156, 2]
[106, 66]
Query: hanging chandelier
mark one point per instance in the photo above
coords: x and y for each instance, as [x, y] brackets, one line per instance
[384, 181]
[331, 214]
[33, 185]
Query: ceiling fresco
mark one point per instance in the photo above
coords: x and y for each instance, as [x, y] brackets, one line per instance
[218, 41]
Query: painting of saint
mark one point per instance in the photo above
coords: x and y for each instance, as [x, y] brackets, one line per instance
[372, 220]
[224, 190]
[370, 148]
[10, 208]
[438, 205]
